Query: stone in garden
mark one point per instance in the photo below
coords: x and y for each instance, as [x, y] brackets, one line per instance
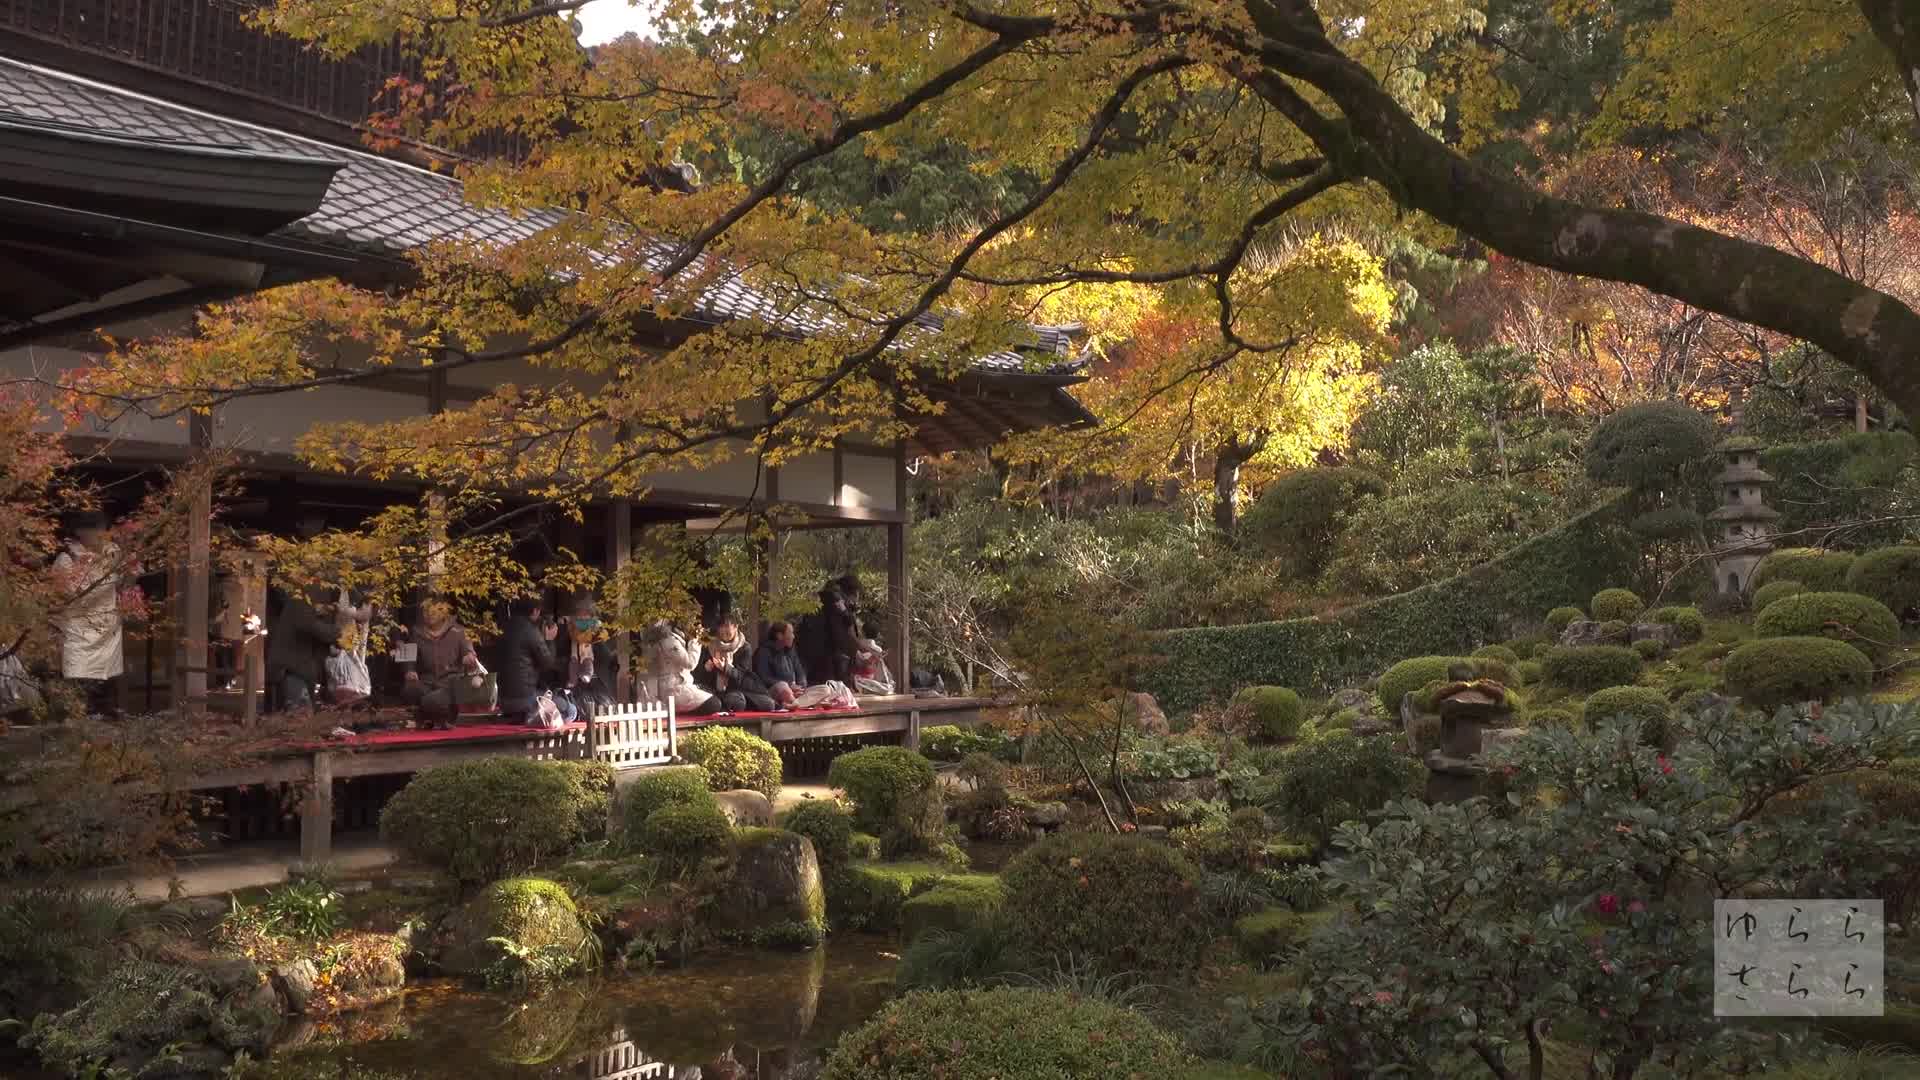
[1049, 815]
[1159, 834]
[1421, 728]
[776, 896]
[745, 808]
[296, 982]
[232, 975]
[1145, 712]
[533, 913]
[1660, 632]
[1589, 632]
[1495, 737]
[1204, 789]
[1468, 709]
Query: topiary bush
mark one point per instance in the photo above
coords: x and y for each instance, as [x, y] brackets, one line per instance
[681, 834]
[1528, 672]
[1591, 667]
[733, 759]
[1562, 617]
[1816, 568]
[661, 788]
[877, 778]
[1004, 1033]
[484, 820]
[1121, 903]
[1643, 706]
[1646, 445]
[592, 783]
[1890, 575]
[1301, 515]
[1785, 670]
[1328, 781]
[1622, 605]
[1689, 625]
[1860, 621]
[1276, 709]
[1648, 648]
[1553, 716]
[1407, 676]
[1766, 594]
[1501, 653]
[828, 825]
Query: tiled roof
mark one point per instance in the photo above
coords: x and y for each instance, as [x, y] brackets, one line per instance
[387, 207]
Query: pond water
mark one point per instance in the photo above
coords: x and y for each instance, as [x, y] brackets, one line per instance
[732, 1016]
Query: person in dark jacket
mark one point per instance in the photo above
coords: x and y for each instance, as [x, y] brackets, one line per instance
[725, 669]
[832, 640]
[526, 660]
[779, 666]
[297, 644]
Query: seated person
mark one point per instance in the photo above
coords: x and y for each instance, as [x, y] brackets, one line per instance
[445, 655]
[725, 669]
[870, 673]
[298, 641]
[670, 664]
[526, 660]
[779, 666]
[591, 665]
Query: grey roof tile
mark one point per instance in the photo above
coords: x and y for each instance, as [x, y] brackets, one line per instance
[388, 207]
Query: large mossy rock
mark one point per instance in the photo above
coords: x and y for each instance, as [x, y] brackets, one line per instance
[958, 902]
[870, 895]
[535, 914]
[144, 1008]
[776, 896]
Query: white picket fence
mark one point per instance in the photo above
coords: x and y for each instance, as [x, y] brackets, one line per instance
[632, 735]
[624, 1061]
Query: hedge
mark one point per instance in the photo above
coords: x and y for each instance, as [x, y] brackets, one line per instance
[1005, 1033]
[1318, 654]
[733, 759]
[1643, 706]
[1688, 624]
[1816, 568]
[1860, 621]
[1889, 575]
[1591, 667]
[1788, 670]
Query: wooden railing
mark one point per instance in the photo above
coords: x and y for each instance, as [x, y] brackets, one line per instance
[624, 1061]
[632, 735]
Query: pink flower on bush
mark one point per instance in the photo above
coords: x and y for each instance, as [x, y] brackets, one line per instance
[1607, 904]
[1666, 767]
[1606, 966]
[1383, 997]
[1636, 907]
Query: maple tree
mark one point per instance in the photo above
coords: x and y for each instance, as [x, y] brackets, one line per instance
[1171, 142]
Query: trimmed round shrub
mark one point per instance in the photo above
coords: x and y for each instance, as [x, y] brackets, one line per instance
[1122, 903]
[1591, 667]
[1497, 652]
[1553, 716]
[1615, 629]
[679, 834]
[1645, 707]
[1860, 621]
[1765, 595]
[1890, 575]
[733, 759]
[1648, 648]
[1276, 709]
[1818, 569]
[1786, 670]
[592, 783]
[1689, 625]
[1646, 445]
[1616, 605]
[877, 778]
[1407, 676]
[1530, 672]
[1005, 1033]
[1302, 514]
[1562, 617]
[484, 820]
[658, 788]
[1329, 781]
[827, 824]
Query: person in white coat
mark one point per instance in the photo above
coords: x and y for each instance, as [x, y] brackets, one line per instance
[670, 663]
[90, 628]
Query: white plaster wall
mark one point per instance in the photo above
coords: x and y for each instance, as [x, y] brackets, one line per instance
[866, 481]
[808, 479]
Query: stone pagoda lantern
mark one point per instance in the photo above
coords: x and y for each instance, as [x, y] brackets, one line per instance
[1470, 709]
[1743, 518]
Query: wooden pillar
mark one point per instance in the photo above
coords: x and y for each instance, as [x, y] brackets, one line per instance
[436, 500]
[899, 579]
[197, 576]
[316, 813]
[619, 554]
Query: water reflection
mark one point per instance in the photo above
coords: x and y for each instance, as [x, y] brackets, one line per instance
[741, 1016]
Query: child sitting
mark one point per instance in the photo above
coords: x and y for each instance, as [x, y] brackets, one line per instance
[870, 673]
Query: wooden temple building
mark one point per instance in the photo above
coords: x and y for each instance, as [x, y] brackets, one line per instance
[158, 155]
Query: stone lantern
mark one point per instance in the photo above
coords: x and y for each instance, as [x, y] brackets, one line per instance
[1743, 519]
[1470, 708]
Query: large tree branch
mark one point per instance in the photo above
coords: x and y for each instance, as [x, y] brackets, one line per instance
[1869, 330]
[1897, 24]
